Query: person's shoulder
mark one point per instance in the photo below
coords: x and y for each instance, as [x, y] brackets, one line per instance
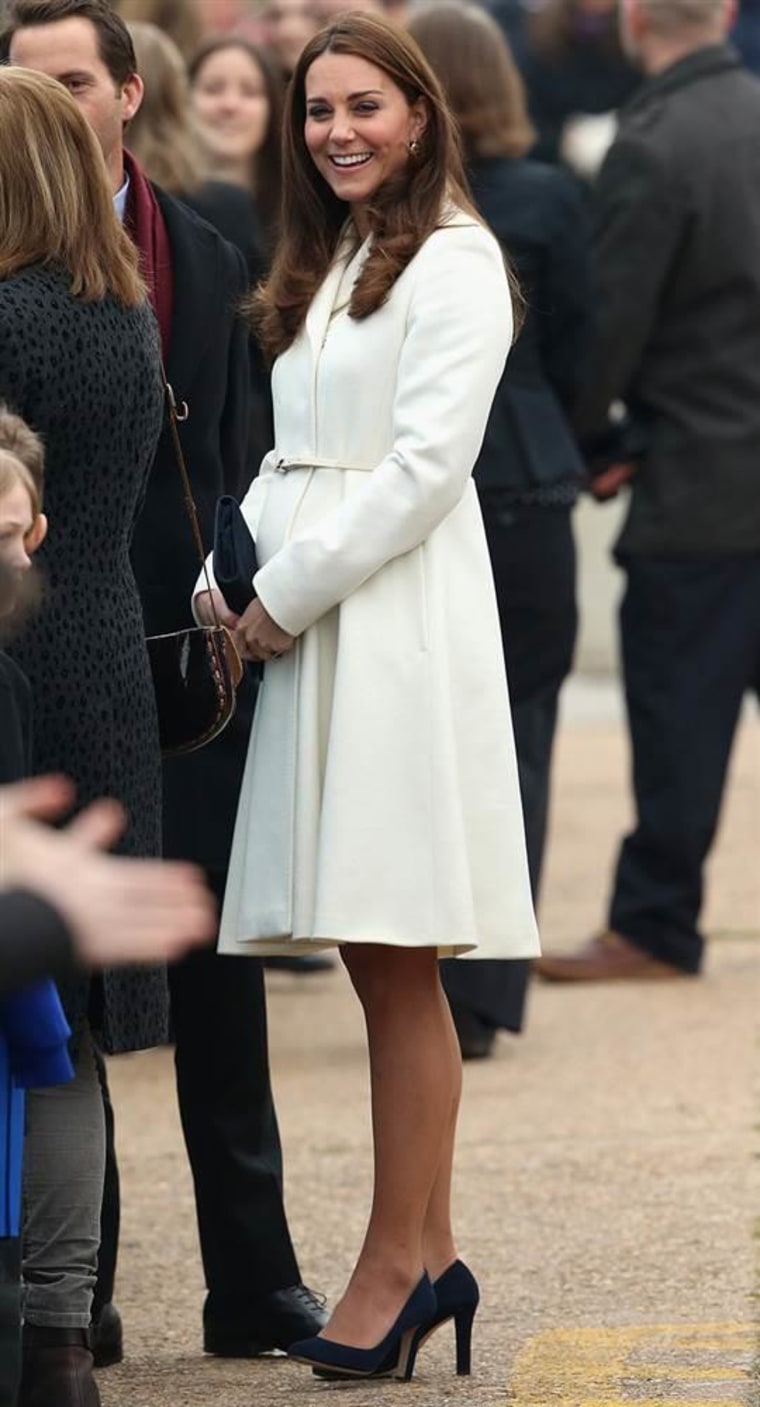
[186, 226]
[459, 233]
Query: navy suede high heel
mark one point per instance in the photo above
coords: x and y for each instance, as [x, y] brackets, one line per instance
[457, 1297]
[394, 1356]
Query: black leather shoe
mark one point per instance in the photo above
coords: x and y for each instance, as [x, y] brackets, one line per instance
[267, 1324]
[107, 1337]
[476, 1037]
[57, 1369]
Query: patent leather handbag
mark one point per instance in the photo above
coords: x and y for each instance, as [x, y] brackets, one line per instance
[196, 671]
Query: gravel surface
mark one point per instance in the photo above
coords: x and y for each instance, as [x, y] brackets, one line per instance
[607, 1179]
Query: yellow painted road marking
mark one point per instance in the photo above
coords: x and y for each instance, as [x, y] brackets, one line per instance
[612, 1367]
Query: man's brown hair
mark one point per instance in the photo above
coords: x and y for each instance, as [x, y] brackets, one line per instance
[114, 40]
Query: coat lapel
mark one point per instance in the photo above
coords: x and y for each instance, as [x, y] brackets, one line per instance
[323, 303]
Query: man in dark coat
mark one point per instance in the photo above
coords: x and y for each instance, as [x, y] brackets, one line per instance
[197, 282]
[678, 340]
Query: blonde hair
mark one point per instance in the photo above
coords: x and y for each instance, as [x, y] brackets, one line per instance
[22, 458]
[161, 134]
[56, 206]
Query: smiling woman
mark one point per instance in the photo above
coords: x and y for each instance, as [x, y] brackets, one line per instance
[380, 808]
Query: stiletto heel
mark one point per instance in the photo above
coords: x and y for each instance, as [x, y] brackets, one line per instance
[457, 1297]
[394, 1357]
[463, 1329]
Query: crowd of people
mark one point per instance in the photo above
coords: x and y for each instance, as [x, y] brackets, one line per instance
[402, 281]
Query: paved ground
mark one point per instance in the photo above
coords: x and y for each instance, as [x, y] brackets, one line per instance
[608, 1176]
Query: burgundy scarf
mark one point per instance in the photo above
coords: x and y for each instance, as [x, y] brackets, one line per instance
[147, 227]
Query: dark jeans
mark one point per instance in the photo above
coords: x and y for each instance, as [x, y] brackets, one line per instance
[690, 633]
[533, 559]
[230, 1128]
[10, 1319]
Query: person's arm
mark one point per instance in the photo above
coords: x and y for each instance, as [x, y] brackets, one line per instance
[459, 330]
[564, 314]
[35, 941]
[638, 227]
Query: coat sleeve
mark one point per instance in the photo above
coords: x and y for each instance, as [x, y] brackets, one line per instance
[34, 941]
[638, 225]
[458, 333]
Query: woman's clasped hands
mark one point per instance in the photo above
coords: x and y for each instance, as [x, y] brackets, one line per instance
[256, 635]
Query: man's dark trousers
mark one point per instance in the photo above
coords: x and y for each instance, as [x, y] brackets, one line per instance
[230, 1128]
[690, 633]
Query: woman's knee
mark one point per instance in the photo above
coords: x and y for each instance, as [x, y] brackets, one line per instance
[381, 973]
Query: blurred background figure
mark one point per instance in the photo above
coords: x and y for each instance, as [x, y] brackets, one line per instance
[677, 340]
[529, 469]
[577, 78]
[326, 10]
[230, 17]
[287, 26]
[180, 19]
[237, 99]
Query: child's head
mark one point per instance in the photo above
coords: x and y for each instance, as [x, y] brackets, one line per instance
[22, 523]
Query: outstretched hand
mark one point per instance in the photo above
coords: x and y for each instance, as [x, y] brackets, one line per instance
[118, 910]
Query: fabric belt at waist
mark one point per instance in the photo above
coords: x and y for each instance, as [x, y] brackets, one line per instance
[283, 466]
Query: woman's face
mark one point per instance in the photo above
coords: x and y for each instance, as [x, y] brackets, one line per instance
[359, 125]
[231, 104]
[20, 535]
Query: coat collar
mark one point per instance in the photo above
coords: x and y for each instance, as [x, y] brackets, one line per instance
[703, 63]
[348, 257]
[323, 303]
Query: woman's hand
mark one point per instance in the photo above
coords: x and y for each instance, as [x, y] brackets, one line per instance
[205, 614]
[258, 637]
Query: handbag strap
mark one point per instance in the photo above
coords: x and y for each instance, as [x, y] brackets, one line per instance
[177, 416]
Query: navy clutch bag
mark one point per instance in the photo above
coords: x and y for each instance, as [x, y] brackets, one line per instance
[235, 561]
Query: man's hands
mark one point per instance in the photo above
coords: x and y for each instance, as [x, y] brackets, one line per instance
[609, 483]
[119, 910]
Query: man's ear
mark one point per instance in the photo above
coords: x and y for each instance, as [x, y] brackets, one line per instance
[131, 97]
[36, 535]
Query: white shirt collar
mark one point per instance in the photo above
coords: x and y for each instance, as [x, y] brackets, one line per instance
[120, 200]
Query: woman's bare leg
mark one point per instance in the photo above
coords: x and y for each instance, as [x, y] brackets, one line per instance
[414, 1099]
[439, 1246]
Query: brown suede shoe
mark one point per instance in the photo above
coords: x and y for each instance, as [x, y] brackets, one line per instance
[57, 1369]
[608, 957]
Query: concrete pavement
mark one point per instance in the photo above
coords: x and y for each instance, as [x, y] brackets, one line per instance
[608, 1180]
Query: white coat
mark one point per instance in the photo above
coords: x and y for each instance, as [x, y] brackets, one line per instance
[380, 802]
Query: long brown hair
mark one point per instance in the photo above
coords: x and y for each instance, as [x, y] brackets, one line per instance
[161, 134]
[468, 51]
[405, 211]
[55, 202]
[266, 164]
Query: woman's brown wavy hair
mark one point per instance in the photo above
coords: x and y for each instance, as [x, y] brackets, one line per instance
[405, 211]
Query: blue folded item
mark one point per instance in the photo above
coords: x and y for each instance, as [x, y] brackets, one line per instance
[37, 1034]
[235, 560]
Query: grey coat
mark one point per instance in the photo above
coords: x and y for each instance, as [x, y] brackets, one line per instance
[677, 254]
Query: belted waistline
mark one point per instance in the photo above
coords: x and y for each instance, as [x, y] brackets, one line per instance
[283, 466]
